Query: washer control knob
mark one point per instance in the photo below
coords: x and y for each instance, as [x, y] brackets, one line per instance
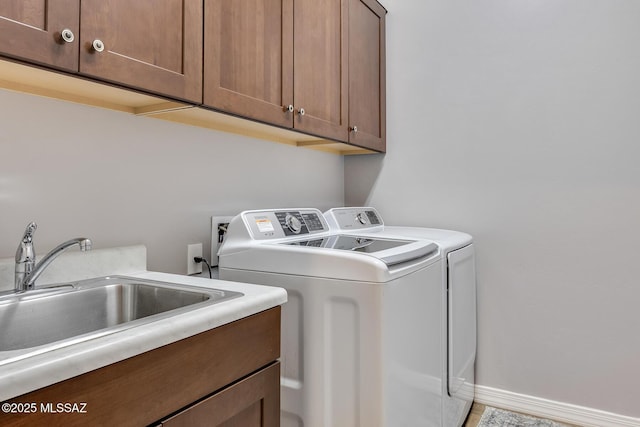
[293, 223]
[361, 218]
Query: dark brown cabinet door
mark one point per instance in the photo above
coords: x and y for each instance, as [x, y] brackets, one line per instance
[367, 99]
[248, 65]
[279, 61]
[320, 68]
[252, 402]
[152, 45]
[32, 30]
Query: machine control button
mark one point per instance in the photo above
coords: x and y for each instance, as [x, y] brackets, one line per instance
[373, 218]
[313, 222]
[293, 223]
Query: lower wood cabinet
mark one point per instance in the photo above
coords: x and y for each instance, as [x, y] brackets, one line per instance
[227, 376]
[252, 402]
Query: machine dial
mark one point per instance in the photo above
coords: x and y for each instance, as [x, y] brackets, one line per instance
[293, 224]
[361, 218]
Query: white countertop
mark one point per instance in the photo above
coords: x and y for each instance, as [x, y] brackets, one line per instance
[31, 373]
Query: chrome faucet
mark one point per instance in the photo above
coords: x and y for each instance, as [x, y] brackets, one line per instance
[27, 272]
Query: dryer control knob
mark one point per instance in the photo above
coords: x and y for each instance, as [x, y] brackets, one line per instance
[293, 223]
[362, 218]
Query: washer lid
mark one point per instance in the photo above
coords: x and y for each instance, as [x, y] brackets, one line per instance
[389, 251]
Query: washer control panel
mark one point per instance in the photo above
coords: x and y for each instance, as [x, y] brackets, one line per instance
[292, 223]
[275, 224]
[353, 218]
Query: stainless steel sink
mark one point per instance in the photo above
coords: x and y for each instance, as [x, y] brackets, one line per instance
[95, 307]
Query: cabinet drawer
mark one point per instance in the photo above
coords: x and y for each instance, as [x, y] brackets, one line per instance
[252, 402]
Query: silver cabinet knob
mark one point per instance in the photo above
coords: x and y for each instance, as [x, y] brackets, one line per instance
[288, 108]
[97, 45]
[354, 129]
[67, 35]
[301, 111]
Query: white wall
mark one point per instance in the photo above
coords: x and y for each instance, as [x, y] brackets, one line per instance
[519, 122]
[122, 180]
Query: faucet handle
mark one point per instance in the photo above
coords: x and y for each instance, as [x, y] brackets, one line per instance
[28, 233]
[25, 254]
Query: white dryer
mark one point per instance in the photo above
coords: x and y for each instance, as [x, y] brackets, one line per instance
[362, 328]
[458, 301]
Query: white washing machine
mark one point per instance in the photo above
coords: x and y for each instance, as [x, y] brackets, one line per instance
[361, 331]
[458, 301]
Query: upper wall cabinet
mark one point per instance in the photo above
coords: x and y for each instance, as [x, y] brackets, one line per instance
[151, 45]
[155, 46]
[40, 31]
[320, 68]
[313, 68]
[279, 61]
[367, 101]
[248, 61]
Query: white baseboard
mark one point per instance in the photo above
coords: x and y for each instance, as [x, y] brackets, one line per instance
[559, 411]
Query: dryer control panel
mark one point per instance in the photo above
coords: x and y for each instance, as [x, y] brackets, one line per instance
[346, 219]
[276, 224]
